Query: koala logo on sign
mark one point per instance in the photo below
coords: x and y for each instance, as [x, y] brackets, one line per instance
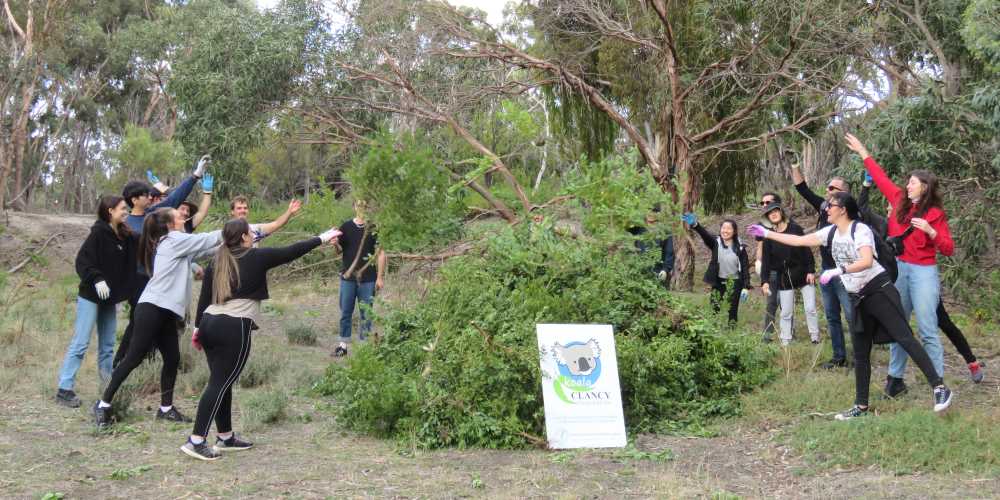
[579, 366]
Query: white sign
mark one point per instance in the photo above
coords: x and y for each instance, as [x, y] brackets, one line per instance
[583, 400]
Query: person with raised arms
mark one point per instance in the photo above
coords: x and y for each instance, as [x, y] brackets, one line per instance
[167, 251]
[239, 208]
[228, 309]
[729, 270]
[877, 309]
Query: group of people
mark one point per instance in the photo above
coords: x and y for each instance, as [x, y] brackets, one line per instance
[876, 270]
[143, 249]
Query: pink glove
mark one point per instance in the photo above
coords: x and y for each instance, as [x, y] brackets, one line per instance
[195, 342]
[757, 231]
[829, 274]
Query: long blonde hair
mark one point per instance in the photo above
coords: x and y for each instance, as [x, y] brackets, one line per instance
[225, 271]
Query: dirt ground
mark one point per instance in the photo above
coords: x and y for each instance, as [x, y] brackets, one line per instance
[45, 448]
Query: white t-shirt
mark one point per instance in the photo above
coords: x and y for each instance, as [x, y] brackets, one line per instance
[846, 251]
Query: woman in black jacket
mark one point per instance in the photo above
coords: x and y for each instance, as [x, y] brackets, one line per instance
[104, 264]
[729, 269]
[794, 269]
[235, 284]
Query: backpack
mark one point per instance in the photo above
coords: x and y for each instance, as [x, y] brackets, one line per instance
[883, 254]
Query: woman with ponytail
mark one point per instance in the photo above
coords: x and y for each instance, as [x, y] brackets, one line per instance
[166, 253]
[104, 282]
[235, 284]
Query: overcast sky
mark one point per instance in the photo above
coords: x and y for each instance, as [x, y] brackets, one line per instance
[493, 8]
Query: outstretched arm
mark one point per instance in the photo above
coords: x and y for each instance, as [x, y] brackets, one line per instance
[889, 189]
[276, 224]
[809, 240]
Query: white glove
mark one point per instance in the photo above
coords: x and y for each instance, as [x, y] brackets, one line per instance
[103, 290]
[829, 274]
[757, 266]
[202, 165]
[329, 234]
[662, 275]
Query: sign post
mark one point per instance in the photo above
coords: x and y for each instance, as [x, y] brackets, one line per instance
[583, 401]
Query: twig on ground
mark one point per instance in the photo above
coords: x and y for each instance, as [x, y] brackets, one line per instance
[32, 254]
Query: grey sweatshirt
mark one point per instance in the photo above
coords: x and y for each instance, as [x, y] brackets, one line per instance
[170, 286]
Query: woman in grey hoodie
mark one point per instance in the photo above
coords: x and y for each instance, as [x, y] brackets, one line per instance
[166, 252]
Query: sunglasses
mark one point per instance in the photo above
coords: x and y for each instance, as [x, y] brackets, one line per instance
[764, 203]
[831, 205]
[833, 188]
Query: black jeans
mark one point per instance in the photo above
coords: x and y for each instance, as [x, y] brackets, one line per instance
[154, 326]
[226, 341]
[876, 309]
[719, 290]
[954, 334]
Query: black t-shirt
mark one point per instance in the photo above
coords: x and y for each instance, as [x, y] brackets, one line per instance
[351, 242]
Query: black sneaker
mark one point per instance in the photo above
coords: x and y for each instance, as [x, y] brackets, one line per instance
[894, 387]
[855, 412]
[67, 398]
[232, 444]
[172, 415]
[200, 451]
[834, 363]
[102, 416]
[340, 351]
[942, 398]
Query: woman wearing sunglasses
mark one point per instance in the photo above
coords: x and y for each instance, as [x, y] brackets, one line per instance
[919, 222]
[878, 311]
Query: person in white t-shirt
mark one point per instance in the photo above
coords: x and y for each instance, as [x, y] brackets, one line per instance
[878, 311]
[239, 208]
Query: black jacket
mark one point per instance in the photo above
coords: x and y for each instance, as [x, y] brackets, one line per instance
[712, 273]
[106, 257]
[791, 263]
[253, 267]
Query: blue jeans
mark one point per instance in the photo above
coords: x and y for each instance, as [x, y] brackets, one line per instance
[87, 315]
[351, 292]
[920, 289]
[835, 298]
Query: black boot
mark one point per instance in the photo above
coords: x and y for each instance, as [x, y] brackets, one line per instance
[894, 387]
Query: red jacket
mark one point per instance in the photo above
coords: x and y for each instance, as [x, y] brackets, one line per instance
[919, 248]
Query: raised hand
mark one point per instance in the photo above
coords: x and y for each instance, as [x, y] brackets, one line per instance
[153, 179]
[202, 165]
[829, 274]
[868, 179]
[757, 231]
[207, 183]
[690, 219]
[855, 145]
[294, 206]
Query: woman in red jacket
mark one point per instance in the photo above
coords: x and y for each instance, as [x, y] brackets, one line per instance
[919, 223]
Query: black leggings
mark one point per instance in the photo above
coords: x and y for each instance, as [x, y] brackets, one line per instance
[719, 291]
[157, 326]
[140, 284]
[226, 341]
[954, 334]
[877, 309]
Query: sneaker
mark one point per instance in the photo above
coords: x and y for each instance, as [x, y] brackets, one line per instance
[975, 371]
[815, 341]
[855, 412]
[232, 444]
[942, 398]
[340, 351]
[201, 451]
[68, 398]
[172, 415]
[834, 363]
[894, 387]
[102, 416]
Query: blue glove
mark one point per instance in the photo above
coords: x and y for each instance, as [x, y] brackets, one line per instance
[689, 219]
[153, 179]
[868, 179]
[207, 183]
[744, 295]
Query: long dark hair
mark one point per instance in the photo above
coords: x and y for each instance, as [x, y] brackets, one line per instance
[736, 233]
[156, 226]
[104, 208]
[930, 198]
[225, 272]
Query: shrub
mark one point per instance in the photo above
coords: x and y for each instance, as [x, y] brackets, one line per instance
[264, 408]
[461, 368]
[261, 369]
[301, 334]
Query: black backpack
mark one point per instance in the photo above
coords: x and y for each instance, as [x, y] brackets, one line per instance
[883, 254]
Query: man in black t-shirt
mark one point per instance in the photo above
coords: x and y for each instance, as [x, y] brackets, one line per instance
[359, 278]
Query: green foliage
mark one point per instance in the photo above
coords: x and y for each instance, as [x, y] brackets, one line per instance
[902, 443]
[461, 368]
[617, 194]
[301, 334]
[124, 474]
[261, 369]
[408, 194]
[140, 151]
[53, 496]
[264, 408]
[981, 32]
